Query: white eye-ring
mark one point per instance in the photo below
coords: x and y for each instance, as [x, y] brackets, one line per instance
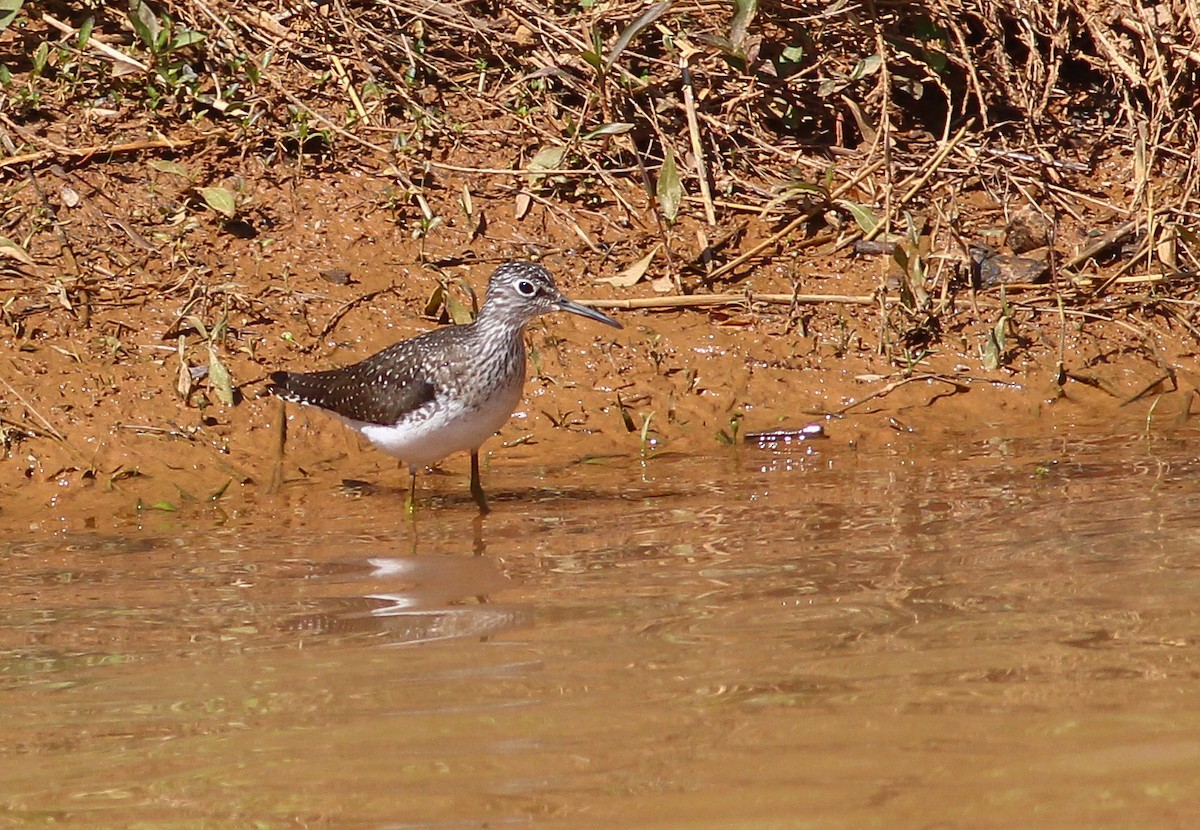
[526, 288]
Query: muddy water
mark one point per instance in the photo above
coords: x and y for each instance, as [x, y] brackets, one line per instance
[993, 634]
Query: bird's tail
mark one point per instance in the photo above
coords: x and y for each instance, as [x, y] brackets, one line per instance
[287, 386]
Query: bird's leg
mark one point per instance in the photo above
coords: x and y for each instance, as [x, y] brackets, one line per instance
[476, 487]
[410, 503]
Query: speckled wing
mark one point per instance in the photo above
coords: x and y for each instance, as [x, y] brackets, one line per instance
[379, 390]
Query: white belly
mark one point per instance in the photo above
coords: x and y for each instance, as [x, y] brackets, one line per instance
[431, 433]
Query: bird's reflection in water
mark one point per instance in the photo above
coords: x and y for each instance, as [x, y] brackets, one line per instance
[413, 599]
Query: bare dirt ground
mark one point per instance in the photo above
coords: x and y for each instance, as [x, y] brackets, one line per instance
[95, 414]
[140, 309]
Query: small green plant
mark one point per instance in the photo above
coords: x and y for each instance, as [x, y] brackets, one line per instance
[427, 221]
[838, 81]
[220, 200]
[994, 350]
[160, 35]
[39, 59]
[737, 49]
[729, 435]
[220, 382]
[911, 262]
[669, 189]
[166, 42]
[302, 139]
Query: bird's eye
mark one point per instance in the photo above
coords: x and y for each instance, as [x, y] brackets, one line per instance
[526, 288]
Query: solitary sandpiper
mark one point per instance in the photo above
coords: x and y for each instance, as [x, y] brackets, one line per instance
[445, 390]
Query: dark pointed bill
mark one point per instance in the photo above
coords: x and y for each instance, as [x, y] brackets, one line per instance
[584, 311]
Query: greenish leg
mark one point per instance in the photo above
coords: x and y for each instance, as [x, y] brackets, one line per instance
[476, 486]
[410, 503]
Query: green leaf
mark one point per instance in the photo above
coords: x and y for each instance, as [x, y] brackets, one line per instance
[548, 158]
[631, 31]
[997, 340]
[8, 12]
[720, 42]
[867, 66]
[220, 199]
[812, 188]
[595, 55]
[184, 39]
[616, 128]
[670, 189]
[168, 166]
[743, 15]
[926, 29]
[144, 22]
[85, 33]
[790, 61]
[218, 378]
[864, 217]
[198, 324]
[40, 56]
[793, 54]
[165, 506]
[219, 328]
[458, 312]
[433, 306]
[991, 353]
[827, 87]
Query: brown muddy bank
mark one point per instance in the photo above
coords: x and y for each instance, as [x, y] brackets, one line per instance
[97, 420]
